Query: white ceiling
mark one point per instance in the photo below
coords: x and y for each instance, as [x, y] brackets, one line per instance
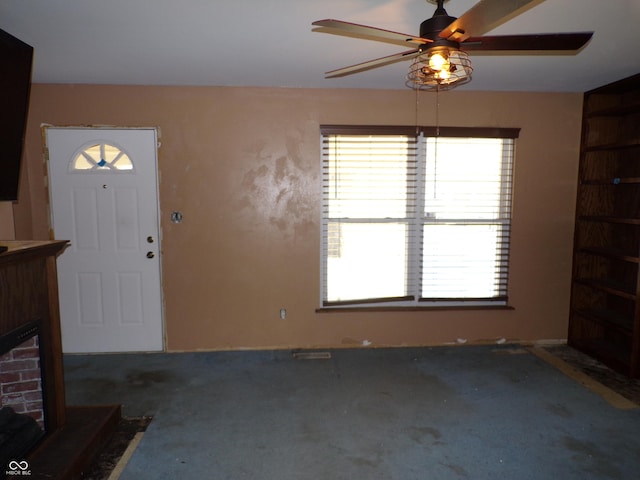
[270, 42]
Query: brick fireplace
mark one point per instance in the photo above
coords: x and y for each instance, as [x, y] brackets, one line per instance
[32, 374]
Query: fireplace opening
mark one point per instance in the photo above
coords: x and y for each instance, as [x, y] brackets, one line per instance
[22, 415]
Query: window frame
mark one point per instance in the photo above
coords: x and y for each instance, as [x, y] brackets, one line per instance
[412, 302]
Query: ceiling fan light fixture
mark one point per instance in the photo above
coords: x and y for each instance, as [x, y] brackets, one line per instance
[439, 68]
[439, 61]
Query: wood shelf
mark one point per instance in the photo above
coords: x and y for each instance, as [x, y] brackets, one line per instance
[616, 111]
[609, 319]
[611, 252]
[610, 286]
[609, 219]
[612, 181]
[619, 145]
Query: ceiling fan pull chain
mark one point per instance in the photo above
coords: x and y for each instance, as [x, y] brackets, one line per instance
[437, 111]
[435, 153]
[417, 112]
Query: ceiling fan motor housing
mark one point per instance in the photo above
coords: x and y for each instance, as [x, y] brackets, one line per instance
[432, 27]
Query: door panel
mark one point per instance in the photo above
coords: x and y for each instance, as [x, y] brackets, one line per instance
[103, 187]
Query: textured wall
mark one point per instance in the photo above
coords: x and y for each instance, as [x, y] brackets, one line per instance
[6, 221]
[243, 165]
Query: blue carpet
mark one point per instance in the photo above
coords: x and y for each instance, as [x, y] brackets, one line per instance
[430, 413]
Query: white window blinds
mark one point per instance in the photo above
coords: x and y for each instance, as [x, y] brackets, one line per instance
[412, 219]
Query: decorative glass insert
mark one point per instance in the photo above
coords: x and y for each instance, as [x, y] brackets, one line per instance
[102, 157]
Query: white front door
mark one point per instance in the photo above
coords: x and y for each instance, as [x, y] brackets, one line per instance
[104, 199]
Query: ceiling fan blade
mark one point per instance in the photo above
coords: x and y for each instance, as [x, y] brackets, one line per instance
[338, 27]
[559, 42]
[368, 65]
[484, 16]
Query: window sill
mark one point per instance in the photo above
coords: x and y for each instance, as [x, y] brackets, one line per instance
[412, 309]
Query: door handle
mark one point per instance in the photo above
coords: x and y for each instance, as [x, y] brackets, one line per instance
[150, 255]
[149, 239]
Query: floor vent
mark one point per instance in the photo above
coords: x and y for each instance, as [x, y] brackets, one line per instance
[311, 355]
[510, 351]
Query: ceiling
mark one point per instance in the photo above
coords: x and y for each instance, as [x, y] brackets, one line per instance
[271, 43]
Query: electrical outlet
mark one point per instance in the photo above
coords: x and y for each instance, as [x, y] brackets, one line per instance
[283, 313]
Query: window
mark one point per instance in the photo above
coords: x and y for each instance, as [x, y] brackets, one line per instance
[101, 157]
[414, 219]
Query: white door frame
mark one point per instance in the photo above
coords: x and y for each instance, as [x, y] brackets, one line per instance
[155, 206]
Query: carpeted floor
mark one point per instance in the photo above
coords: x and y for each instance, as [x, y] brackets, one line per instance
[112, 452]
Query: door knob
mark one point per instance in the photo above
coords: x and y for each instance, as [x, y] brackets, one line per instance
[149, 239]
[150, 255]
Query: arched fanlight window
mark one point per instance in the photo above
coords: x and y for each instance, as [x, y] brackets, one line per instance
[101, 157]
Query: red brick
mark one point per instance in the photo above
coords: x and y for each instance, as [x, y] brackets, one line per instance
[11, 398]
[9, 378]
[33, 406]
[30, 375]
[20, 387]
[20, 353]
[18, 365]
[32, 396]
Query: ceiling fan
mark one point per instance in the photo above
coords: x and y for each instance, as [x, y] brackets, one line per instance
[440, 58]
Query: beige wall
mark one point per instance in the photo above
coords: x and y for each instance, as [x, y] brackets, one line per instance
[6, 221]
[243, 165]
